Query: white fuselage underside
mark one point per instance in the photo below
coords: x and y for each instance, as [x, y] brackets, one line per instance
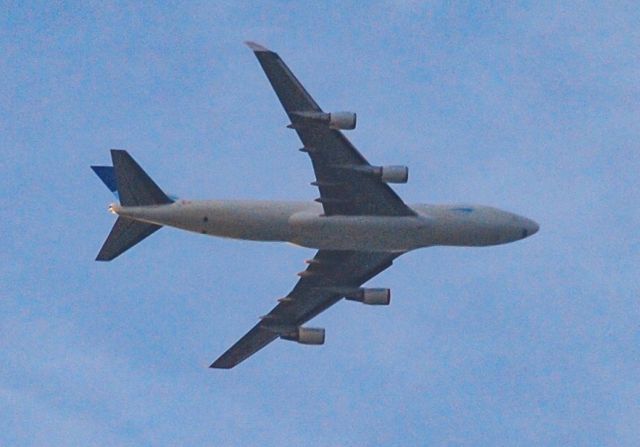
[303, 223]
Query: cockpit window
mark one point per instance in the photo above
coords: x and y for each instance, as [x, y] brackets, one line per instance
[464, 210]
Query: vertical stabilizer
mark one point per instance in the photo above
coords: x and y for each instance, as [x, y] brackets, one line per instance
[134, 188]
[108, 177]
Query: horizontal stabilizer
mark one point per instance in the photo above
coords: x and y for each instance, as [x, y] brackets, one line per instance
[135, 187]
[125, 234]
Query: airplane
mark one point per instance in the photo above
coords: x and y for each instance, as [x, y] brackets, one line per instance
[359, 225]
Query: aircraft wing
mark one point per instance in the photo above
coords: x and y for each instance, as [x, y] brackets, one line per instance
[321, 285]
[343, 190]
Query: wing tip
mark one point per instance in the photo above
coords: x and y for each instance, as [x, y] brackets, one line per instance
[219, 365]
[256, 47]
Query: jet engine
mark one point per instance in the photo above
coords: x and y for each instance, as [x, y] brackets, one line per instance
[306, 335]
[335, 120]
[393, 174]
[342, 120]
[376, 297]
[386, 174]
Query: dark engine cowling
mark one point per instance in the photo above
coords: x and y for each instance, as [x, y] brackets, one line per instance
[375, 297]
[306, 335]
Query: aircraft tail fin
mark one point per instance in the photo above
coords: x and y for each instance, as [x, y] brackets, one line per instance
[108, 177]
[133, 187]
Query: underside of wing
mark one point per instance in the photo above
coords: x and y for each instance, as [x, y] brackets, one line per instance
[330, 276]
[348, 184]
[254, 340]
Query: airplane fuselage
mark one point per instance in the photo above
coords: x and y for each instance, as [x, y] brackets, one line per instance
[358, 223]
[304, 224]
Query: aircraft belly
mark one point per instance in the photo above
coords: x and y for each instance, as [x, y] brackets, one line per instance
[250, 220]
[259, 221]
[304, 224]
[368, 233]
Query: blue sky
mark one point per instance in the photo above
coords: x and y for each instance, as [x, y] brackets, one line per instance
[532, 108]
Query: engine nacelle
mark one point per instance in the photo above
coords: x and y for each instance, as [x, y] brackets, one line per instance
[335, 120]
[393, 174]
[342, 120]
[306, 335]
[375, 297]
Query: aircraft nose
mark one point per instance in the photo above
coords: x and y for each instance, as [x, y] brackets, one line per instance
[529, 227]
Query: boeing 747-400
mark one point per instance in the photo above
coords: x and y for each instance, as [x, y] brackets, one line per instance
[359, 225]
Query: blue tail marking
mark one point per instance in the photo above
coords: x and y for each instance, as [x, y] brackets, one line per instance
[108, 177]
